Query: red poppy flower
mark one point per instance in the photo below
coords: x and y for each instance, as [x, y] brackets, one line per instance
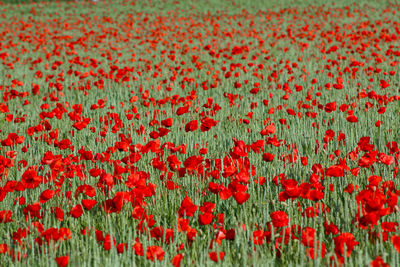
[304, 161]
[330, 107]
[88, 204]
[268, 157]
[30, 178]
[167, 122]
[121, 247]
[138, 247]
[155, 252]
[279, 219]
[76, 211]
[335, 171]
[352, 118]
[241, 197]
[182, 110]
[269, 129]
[4, 249]
[79, 125]
[176, 260]
[389, 226]
[205, 218]
[35, 89]
[33, 211]
[308, 236]
[203, 151]
[344, 240]
[312, 253]
[114, 205]
[46, 195]
[5, 216]
[214, 256]
[193, 162]
[59, 213]
[384, 84]
[187, 207]
[378, 262]
[385, 159]
[207, 207]
[292, 190]
[207, 124]
[225, 193]
[62, 261]
[260, 180]
[396, 242]
[163, 131]
[191, 126]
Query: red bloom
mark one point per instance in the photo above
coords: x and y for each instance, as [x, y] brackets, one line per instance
[114, 205]
[384, 84]
[342, 240]
[35, 89]
[205, 218]
[33, 211]
[76, 211]
[335, 171]
[207, 207]
[193, 162]
[79, 125]
[176, 260]
[121, 247]
[203, 151]
[292, 190]
[167, 122]
[279, 218]
[88, 204]
[311, 253]
[138, 247]
[155, 252]
[62, 261]
[268, 157]
[46, 195]
[214, 256]
[225, 193]
[241, 197]
[30, 178]
[207, 124]
[304, 161]
[63, 144]
[396, 242]
[59, 213]
[191, 126]
[4, 248]
[5, 216]
[389, 226]
[330, 107]
[378, 262]
[182, 110]
[352, 118]
[386, 159]
[382, 110]
[163, 131]
[269, 129]
[187, 207]
[308, 236]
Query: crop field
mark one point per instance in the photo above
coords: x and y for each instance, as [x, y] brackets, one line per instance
[199, 133]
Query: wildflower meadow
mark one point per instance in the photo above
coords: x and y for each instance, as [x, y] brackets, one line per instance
[199, 133]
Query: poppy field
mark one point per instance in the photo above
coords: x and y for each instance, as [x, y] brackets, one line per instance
[203, 133]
